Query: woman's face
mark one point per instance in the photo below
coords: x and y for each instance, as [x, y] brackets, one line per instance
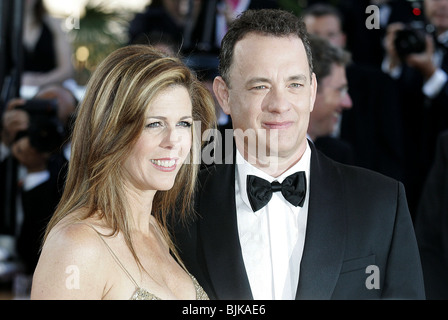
[164, 143]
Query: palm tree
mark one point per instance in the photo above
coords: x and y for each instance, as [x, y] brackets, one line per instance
[100, 31]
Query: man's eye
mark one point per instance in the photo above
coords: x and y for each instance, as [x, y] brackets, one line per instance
[261, 87]
[295, 85]
[184, 124]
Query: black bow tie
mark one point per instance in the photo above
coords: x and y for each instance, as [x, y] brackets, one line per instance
[259, 191]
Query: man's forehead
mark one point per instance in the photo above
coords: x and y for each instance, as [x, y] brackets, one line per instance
[261, 55]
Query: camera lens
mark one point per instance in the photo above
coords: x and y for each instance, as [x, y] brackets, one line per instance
[409, 41]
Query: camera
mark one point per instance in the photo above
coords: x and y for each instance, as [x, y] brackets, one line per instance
[40, 107]
[410, 40]
[45, 131]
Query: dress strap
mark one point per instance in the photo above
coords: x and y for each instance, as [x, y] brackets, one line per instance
[114, 256]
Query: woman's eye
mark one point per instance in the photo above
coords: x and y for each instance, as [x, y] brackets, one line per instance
[184, 124]
[156, 124]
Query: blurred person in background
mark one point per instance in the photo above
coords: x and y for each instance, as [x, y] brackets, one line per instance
[373, 125]
[420, 73]
[35, 134]
[332, 98]
[38, 192]
[46, 48]
[214, 18]
[165, 22]
[62, 104]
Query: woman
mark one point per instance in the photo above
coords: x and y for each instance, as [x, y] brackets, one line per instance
[46, 47]
[109, 237]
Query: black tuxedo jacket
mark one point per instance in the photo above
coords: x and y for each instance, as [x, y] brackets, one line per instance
[356, 218]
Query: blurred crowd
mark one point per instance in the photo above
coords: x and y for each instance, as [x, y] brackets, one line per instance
[385, 108]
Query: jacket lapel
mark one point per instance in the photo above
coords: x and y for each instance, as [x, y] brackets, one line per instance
[219, 232]
[325, 232]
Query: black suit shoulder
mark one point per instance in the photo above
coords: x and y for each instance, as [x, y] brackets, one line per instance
[361, 191]
[363, 176]
[336, 149]
[355, 174]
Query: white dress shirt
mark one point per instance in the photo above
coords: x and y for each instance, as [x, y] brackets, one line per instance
[272, 238]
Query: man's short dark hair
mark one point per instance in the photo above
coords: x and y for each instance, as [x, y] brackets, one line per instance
[272, 22]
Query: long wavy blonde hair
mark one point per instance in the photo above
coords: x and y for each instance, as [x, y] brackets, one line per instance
[108, 123]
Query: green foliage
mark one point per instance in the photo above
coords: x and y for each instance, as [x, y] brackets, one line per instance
[101, 31]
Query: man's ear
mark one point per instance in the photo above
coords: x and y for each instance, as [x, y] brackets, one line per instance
[221, 93]
[313, 91]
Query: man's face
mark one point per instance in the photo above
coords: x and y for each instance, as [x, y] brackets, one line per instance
[332, 98]
[437, 13]
[270, 94]
[327, 27]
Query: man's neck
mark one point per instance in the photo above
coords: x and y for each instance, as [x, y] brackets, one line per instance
[273, 165]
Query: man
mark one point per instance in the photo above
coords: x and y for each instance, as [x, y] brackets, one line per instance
[325, 20]
[34, 143]
[332, 98]
[373, 126]
[422, 80]
[348, 234]
[214, 18]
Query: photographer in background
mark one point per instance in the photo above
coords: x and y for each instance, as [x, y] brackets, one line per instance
[420, 68]
[38, 187]
[34, 133]
[372, 127]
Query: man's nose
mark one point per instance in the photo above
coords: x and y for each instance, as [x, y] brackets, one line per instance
[276, 100]
[346, 101]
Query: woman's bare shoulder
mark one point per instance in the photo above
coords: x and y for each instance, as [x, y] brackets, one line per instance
[74, 234]
[72, 251]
